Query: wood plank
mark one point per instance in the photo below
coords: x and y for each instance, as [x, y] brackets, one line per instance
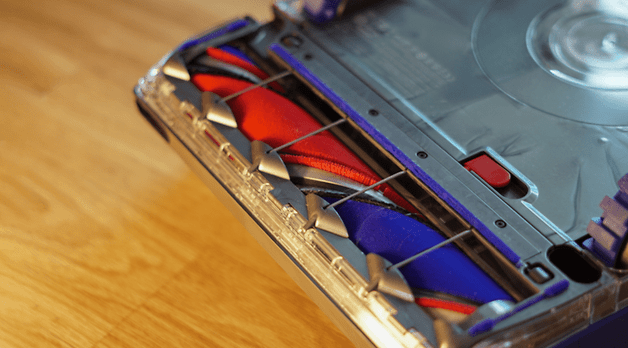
[106, 238]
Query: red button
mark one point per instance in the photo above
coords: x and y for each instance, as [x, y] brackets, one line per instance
[487, 169]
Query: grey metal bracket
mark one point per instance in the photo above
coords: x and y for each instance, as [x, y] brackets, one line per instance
[216, 110]
[326, 219]
[266, 161]
[175, 67]
[385, 279]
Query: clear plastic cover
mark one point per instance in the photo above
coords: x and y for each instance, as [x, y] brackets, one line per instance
[370, 311]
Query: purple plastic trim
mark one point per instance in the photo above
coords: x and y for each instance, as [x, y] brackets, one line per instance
[325, 11]
[381, 139]
[609, 231]
[233, 26]
[599, 251]
[551, 291]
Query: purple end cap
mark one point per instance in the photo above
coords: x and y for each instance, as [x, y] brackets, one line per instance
[599, 251]
[622, 194]
[606, 244]
[615, 216]
[623, 184]
[609, 237]
[481, 327]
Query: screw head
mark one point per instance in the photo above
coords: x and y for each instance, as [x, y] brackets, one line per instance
[292, 40]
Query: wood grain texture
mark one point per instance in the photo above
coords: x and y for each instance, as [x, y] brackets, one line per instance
[106, 238]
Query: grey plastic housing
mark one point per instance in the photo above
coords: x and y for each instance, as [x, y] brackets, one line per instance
[451, 122]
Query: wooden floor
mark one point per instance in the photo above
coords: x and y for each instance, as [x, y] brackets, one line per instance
[106, 238]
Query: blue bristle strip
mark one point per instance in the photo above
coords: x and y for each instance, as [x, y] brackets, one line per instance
[396, 237]
[405, 160]
[236, 52]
